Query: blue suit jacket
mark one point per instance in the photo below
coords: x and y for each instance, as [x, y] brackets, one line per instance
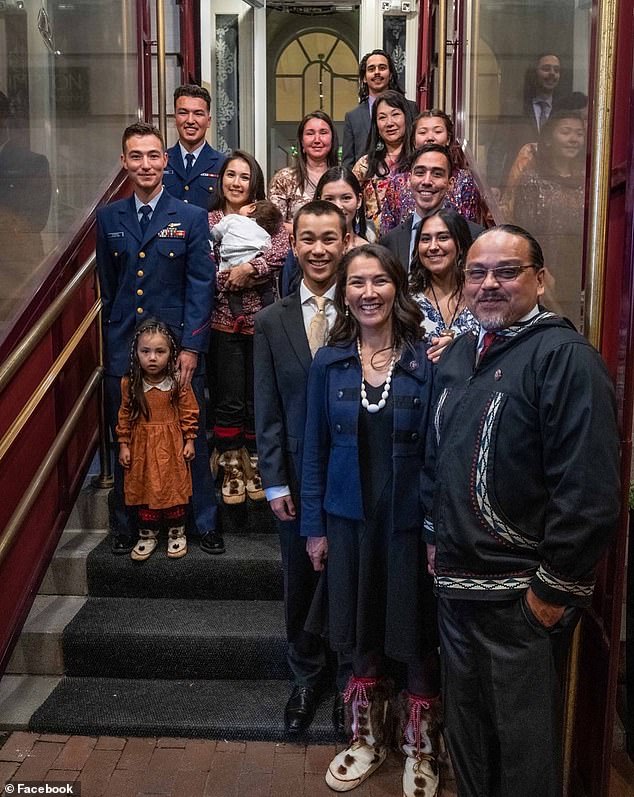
[199, 188]
[156, 274]
[331, 478]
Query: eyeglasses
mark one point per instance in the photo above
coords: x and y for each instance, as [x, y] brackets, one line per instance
[500, 274]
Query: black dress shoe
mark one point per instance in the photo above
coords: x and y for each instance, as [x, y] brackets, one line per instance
[122, 543]
[212, 542]
[300, 709]
[339, 716]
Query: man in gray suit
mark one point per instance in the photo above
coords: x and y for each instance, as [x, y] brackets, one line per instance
[282, 358]
[377, 73]
[430, 180]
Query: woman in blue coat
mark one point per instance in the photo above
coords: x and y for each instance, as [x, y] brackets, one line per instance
[369, 396]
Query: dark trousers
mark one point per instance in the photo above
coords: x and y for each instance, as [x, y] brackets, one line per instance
[231, 357]
[203, 500]
[420, 678]
[307, 653]
[502, 696]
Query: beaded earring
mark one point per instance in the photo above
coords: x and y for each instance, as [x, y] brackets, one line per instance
[347, 311]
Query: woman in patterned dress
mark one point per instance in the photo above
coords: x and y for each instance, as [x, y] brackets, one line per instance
[437, 277]
[317, 147]
[230, 359]
[389, 150]
[549, 203]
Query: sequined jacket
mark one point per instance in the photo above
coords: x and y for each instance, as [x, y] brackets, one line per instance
[398, 200]
[285, 194]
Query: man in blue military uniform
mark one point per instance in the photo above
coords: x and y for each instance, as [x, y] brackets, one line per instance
[154, 260]
[193, 166]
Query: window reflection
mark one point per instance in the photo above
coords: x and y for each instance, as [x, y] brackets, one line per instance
[529, 68]
[69, 80]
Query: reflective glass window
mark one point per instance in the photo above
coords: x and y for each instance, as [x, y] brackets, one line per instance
[525, 116]
[68, 83]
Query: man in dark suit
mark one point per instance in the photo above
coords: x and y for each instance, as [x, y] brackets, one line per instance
[287, 334]
[154, 260]
[193, 166]
[539, 100]
[376, 74]
[430, 180]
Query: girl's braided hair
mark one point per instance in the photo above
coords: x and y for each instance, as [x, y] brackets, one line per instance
[138, 404]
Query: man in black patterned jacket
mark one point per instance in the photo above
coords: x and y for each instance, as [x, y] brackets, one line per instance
[526, 499]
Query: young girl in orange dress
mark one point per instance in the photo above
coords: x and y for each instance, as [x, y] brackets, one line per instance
[156, 428]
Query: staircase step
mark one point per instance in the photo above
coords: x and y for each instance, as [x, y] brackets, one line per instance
[90, 511]
[20, 696]
[66, 574]
[247, 710]
[39, 648]
[251, 569]
[167, 638]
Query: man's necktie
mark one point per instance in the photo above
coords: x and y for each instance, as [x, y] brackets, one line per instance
[190, 163]
[412, 241]
[544, 112]
[318, 329]
[145, 211]
[487, 340]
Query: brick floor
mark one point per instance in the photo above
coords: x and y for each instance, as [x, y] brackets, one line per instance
[17, 746]
[113, 767]
[75, 753]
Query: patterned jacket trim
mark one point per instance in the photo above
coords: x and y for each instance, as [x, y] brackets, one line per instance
[516, 329]
[438, 413]
[480, 487]
[472, 584]
[580, 588]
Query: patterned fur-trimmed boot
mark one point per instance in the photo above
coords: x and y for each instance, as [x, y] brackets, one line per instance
[146, 545]
[420, 741]
[252, 479]
[368, 716]
[176, 542]
[233, 487]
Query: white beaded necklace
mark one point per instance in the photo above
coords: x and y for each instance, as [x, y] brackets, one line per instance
[372, 408]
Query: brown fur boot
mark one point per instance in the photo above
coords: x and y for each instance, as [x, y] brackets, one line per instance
[420, 741]
[368, 715]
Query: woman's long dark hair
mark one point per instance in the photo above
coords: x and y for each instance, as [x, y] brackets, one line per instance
[420, 279]
[544, 159]
[406, 314]
[376, 148]
[457, 155]
[335, 174]
[138, 404]
[257, 188]
[301, 170]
